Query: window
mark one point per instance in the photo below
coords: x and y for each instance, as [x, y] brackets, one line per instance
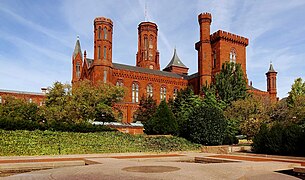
[149, 90]
[99, 32]
[77, 69]
[105, 76]
[0, 100]
[135, 93]
[119, 83]
[151, 67]
[214, 59]
[99, 52]
[30, 100]
[175, 93]
[163, 93]
[104, 52]
[233, 56]
[145, 48]
[105, 33]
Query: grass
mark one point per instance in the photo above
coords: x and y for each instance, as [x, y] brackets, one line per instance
[23, 142]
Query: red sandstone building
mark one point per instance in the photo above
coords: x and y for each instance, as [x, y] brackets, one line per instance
[146, 78]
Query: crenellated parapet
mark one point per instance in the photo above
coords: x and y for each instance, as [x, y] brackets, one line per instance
[220, 34]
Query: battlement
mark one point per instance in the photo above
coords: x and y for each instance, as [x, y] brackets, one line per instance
[148, 24]
[102, 19]
[203, 17]
[220, 34]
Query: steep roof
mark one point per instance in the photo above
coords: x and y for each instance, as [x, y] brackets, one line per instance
[175, 61]
[77, 49]
[271, 69]
[145, 70]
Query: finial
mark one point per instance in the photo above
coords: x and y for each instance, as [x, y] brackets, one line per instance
[77, 37]
[145, 11]
[270, 61]
[85, 53]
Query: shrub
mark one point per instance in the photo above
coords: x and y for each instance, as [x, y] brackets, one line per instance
[280, 139]
[206, 125]
[162, 122]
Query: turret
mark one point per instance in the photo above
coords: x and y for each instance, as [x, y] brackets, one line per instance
[77, 62]
[102, 64]
[204, 49]
[271, 83]
[148, 55]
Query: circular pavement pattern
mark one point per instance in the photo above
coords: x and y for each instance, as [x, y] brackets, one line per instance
[151, 169]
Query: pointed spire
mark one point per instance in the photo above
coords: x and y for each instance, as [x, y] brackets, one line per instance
[77, 48]
[271, 69]
[175, 61]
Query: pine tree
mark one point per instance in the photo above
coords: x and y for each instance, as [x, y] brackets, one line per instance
[162, 122]
[230, 83]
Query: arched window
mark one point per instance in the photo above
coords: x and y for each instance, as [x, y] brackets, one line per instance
[135, 93]
[162, 93]
[214, 59]
[145, 47]
[233, 55]
[105, 76]
[30, 100]
[99, 52]
[0, 100]
[150, 55]
[99, 32]
[105, 33]
[151, 66]
[175, 93]
[119, 83]
[77, 69]
[105, 53]
[149, 90]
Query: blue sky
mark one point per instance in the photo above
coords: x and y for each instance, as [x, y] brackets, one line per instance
[37, 37]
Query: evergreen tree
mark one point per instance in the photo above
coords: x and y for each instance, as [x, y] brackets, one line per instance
[230, 84]
[162, 122]
[146, 110]
[182, 106]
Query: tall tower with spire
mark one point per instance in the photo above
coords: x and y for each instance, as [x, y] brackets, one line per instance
[77, 62]
[271, 82]
[148, 54]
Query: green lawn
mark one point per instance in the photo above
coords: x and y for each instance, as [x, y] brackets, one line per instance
[22, 142]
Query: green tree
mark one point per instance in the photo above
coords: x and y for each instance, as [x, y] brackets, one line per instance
[162, 122]
[206, 125]
[248, 114]
[146, 110]
[182, 106]
[297, 89]
[230, 83]
[86, 102]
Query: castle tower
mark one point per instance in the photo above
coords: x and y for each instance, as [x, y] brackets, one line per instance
[148, 55]
[77, 62]
[271, 83]
[102, 64]
[204, 49]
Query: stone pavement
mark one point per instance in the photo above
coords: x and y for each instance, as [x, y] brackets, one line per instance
[155, 166]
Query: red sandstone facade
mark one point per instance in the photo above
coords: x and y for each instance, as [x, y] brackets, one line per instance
[146, 78]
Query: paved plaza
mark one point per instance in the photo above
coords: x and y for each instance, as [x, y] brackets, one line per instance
[151, 166]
